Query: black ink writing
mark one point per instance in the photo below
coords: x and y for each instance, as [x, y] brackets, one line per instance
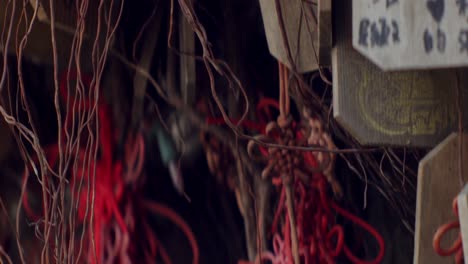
[462, 6]
[440, 38]
[363, 28]
[436, 8]
[379, 37]
[463, 40]
[391, 2]
[427, 41]
[388, 2]
[377, 33]
[396, 32]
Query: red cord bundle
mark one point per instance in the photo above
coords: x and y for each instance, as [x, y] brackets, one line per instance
[320, 238]
[116, 200]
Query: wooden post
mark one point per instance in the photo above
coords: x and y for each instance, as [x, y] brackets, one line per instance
[438, 185]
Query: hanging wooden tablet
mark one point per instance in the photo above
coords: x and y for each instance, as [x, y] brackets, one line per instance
[463, 215]
[412, 108]
[406, 34]
[300, 24]
[438, 185]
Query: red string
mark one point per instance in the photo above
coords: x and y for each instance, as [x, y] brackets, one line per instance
[369, 229]
[457, 245]
[171, 215]
[263, 108]
[111, 178]
[321, 240]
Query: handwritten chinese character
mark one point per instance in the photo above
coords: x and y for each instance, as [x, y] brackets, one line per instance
[462, 6]
[379, 32]
[427, 41]
[363, 27]
[441, 41]
[380, 38]
[463, 40]
[391, 2]
[396, 32]
[436, 8]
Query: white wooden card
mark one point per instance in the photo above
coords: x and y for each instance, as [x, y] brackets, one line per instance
[412, 34]
[403, 108]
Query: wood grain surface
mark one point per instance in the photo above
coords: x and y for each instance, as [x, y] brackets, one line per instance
[438, 185]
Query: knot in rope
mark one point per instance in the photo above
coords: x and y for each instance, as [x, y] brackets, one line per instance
[283, 164]
[284, 121]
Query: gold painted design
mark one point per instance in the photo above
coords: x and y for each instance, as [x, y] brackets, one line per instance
[407, 103]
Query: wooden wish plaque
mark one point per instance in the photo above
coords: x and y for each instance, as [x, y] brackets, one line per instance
[300, 24]
[409, 34]
[411, 108]
[438, 185]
